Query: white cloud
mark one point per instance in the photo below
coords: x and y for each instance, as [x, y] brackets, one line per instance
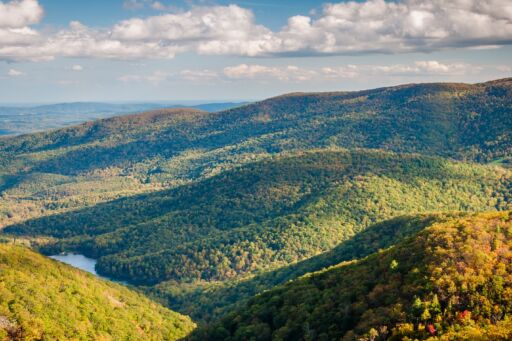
[261, 72]
[15, 19]
[158, 6]
[155, 78]
[504, 68]
[77, 67]
[423, 68]
[437, 67]
[298, 74]
[372, 26]
[349, 71]
[80, 41]
[133, 4]
[406, 26]
[207, 30]
[15, 73]
[199, 75]
[430, 67]
[24, 36]
[250, 71]
[20, 13]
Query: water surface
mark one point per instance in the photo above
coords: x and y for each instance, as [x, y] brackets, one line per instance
[78, 261]
[83, 263]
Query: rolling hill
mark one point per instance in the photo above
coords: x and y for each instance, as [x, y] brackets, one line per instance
[450, 281]
[41, 299]
[204, 210]
[265, 214]
[107, 159]
[16, 120]
[207, 301]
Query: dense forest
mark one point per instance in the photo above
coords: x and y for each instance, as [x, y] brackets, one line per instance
[207, 212]
[265, 214]
[207, 301]
[80, 166]
[450, 281]
[42, 299]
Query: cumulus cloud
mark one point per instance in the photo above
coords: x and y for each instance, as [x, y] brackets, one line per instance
[286, 73]
[24, 36]
[199, 75]
[371, 26]
[430, 67]
[78, 40]
[15, 73]
[349, 71]
[208, 30]
[15, 20]
[20, 13]
[297, 74]
[437, 67]
[406, 26]
[134, 5]
[155, 77]
[504, 68]
[158, 6]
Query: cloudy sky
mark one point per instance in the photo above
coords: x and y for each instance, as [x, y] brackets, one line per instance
[135, 50]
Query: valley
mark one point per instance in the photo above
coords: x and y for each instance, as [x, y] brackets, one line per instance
[226, 216]
[293, 170]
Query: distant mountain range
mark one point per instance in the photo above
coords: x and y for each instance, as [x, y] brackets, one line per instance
[15, 120]
[207, 211]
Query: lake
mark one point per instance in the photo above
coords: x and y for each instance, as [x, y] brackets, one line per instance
[83, 263]
[78, 261]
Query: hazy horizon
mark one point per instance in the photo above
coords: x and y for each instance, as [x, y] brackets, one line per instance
[163, 102]
[211, 101]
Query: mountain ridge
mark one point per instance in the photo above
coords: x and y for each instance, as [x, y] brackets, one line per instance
[16, 120]
[183, 202]
[265, 214]
[433, 285]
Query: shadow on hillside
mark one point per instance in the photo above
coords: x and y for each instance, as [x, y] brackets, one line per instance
[243, 195]
[235, 293]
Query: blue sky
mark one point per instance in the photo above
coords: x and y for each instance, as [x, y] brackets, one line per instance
[145, 50]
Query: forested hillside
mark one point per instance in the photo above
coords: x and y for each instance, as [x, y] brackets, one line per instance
[80, 166]
[41, 299]
[266, 214]
[450, 281]
[206, 301]
[16, 120]
[204, 210]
